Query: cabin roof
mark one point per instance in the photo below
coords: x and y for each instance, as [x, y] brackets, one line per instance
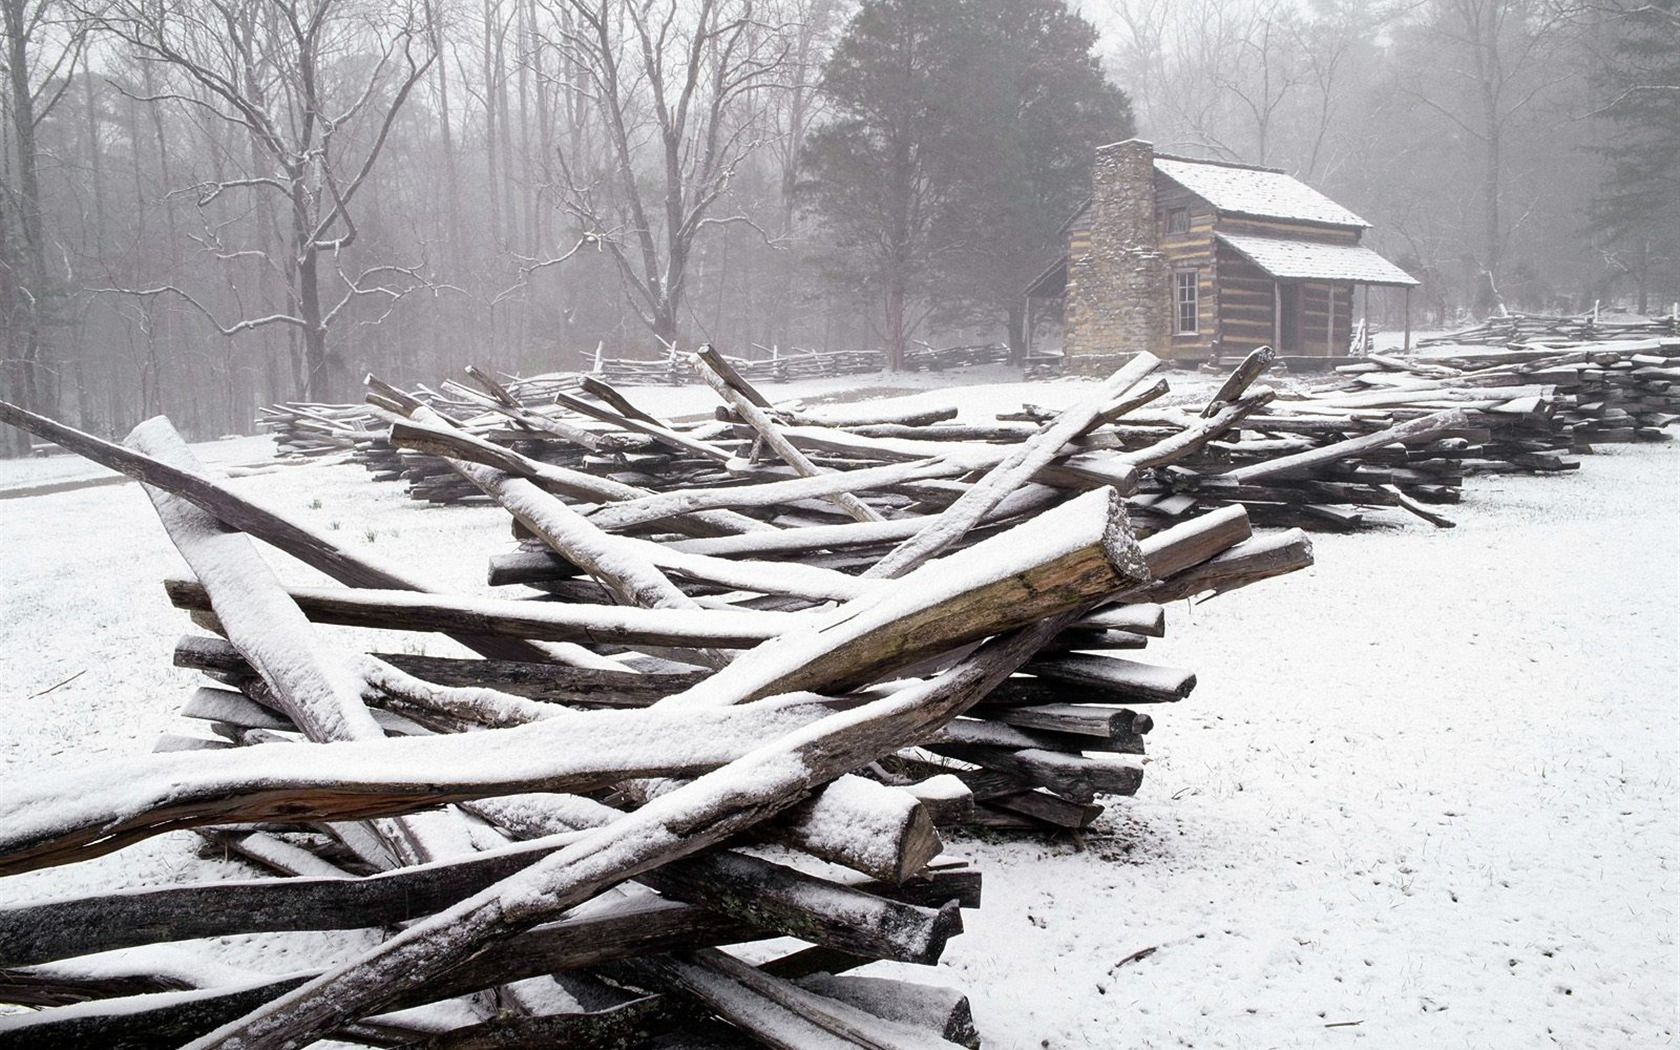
[1243, 189]
[1307, 260]
[1260, 192]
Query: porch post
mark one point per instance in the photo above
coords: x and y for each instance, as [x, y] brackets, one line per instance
[1277, 316]
[1026, 334]
[1408, 317]
[1330, 321]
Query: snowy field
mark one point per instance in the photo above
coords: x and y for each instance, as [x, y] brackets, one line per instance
[1424, 795]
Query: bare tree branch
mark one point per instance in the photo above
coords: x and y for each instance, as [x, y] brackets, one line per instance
[229, 330]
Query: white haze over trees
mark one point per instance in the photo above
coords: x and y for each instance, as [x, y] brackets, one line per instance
[213, 204]
[1515, 153]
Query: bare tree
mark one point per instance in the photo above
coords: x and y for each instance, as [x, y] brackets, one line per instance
[1483, 66]
[792, 112]
[1266, 71]
[1248, 80]
[1333, 46]
[315, 87]
[1180, 60]
[674, 85]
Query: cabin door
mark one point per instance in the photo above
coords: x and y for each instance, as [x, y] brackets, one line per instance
[1288, 303]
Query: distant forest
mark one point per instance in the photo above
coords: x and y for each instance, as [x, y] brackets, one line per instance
[210, 205]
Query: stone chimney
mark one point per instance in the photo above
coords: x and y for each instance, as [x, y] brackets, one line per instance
[1118, 299]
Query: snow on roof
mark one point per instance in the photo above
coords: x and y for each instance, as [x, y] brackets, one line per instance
[1321, 262]
[1256, 191]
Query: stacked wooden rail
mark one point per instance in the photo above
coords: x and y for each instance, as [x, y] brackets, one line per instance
[1559, 399]
[783, 366]
[1604, 392]
[1586, 328]
[926, 356]
[1531, 409]
[556, 835]
[1384, 434]
[313, 430]
[791, 541]
[1172, 461]
[1243, 446]
[774, 366]
[1044, 364]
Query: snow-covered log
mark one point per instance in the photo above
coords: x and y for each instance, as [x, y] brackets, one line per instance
[674, 825]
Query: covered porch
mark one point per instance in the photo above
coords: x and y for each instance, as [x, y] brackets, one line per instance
[1298, 296]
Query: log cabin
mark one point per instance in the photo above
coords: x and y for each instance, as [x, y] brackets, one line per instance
[1198, 260]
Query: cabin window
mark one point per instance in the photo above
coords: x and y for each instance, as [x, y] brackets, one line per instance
[1186, 302]
[1178, 220]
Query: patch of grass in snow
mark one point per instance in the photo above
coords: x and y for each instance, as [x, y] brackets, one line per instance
[989, 836]
[865, 393]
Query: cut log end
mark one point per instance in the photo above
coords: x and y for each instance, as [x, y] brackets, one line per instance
[1120, 542]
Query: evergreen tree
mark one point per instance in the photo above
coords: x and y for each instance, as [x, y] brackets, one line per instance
[1638, 209]
[1038, 108]
[962, 136]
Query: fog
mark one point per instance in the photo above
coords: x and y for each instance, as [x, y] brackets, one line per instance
[215, 204]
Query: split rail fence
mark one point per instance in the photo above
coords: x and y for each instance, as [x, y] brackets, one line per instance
[727, 714]
[750, 673]
[1382, 433]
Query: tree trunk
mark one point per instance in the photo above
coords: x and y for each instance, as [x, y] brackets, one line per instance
[13, 442]
[95, 161]
[526, 41]
[896, 334]
[317, 383]
[499, 98]
[1492, 236]
[1489, 298]
[30, 340]
[1016, 324]
[1644, 273]
[493, 182]
[160, 329]
[665, 324]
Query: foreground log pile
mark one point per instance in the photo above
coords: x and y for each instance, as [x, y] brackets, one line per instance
[718, 724]
[752, 670]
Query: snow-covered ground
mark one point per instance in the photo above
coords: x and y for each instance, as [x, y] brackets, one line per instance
[1424, 795]
[19, 477]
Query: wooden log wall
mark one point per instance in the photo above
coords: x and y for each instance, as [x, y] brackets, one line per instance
[1193, 248]
[1247, 305]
